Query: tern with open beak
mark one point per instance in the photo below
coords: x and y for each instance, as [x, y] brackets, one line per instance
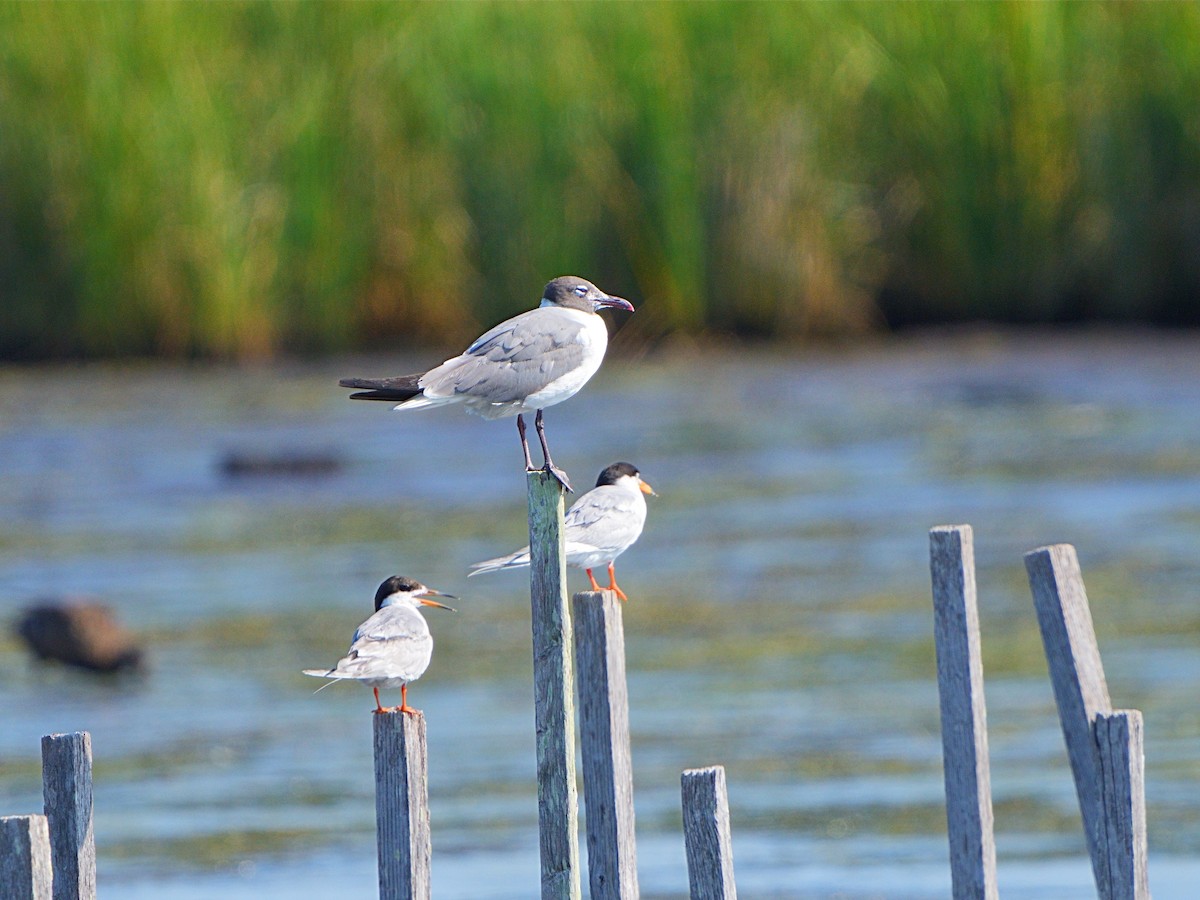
[526, 363]
[394, 646]
[599, 526]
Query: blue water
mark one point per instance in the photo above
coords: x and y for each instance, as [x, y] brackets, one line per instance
[779, 620]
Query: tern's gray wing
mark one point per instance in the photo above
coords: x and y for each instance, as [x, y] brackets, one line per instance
[395, 642]
[517, 358]
[605, 517]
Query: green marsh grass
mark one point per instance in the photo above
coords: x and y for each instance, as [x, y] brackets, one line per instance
[244, 179]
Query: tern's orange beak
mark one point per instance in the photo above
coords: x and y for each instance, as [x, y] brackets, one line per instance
[424, 601]
[646, 489]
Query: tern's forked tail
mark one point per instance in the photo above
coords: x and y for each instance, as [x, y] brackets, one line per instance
[518, 560]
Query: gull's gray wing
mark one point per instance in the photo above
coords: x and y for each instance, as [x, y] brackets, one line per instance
[517, 358]
[605, 517]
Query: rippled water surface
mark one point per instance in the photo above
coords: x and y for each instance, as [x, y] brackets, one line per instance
[779, 620]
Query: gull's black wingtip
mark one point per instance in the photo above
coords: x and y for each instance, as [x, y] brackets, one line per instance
[392, 396]
[395, 390]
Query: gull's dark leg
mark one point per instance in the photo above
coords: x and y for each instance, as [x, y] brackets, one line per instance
[529, 467]
[550, 466]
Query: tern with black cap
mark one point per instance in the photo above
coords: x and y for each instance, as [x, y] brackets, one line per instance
[524, 364]
[394, 646]
[599, 526]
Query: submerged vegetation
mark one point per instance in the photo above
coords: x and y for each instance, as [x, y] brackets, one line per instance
[239, 180]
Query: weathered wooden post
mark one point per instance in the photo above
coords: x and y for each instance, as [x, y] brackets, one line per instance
[25, 871]
[706, 834]
[965, 762]
[402, 806]
[553, 686]
[1084, 709]
[1122, 762]
[604, 739]
[67, 795]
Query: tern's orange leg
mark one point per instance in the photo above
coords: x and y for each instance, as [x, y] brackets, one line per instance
[404, 707]
[612, 582]
[591, 578]
[379, 710]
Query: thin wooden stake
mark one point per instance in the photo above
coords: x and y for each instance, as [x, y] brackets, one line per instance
[67, 795]
[964, 714]
[554, 692]
[1122, 762]
[402, 806]
[604, 744]
[1079, 686]
[706, 834]
[25, 869]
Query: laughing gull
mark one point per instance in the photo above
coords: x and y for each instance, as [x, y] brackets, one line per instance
[599, 526]
[394, 646]
[528, 362]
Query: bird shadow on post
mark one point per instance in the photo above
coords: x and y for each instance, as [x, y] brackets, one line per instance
[554, 689]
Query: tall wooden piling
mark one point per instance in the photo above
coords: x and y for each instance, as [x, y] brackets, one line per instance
[1077, 676]
[965, 762]
[402, 806]
[706, 834]
[604, 743]
[1122, 762]
[25, 869]
[67, 795]
[553, 685]
[1105, 748]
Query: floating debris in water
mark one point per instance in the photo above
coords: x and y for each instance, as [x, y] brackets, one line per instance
[236, 464]
[79, 633]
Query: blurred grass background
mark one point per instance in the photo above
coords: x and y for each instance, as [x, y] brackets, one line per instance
[246, 179]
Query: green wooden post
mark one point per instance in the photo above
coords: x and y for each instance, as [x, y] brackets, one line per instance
[554, 692]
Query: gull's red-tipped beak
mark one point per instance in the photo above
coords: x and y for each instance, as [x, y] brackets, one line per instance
[615, 302]
[646, 489]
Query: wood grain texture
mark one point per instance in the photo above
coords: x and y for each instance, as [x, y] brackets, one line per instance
[1122, 763]
[554, 692]
[706, 834]
[402, 806]
[1080, 690]
[604, 745]
[67, 797]
[25, 869]
[965, 761]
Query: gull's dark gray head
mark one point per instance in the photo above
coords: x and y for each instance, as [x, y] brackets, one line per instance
[398, 588]
[618, 470]
[572, 292]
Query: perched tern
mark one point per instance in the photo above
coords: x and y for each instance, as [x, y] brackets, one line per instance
[528, 362]
[392, 647]
[599, 526]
